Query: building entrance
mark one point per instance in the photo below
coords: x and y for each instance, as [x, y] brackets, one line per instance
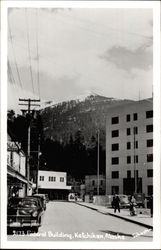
[129, 186]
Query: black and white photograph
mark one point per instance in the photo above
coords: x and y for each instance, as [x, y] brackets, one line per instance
[81, 145]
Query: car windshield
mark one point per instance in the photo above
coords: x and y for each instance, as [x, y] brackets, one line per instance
[28, 203]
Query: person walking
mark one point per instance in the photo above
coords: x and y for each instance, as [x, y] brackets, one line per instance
[151, 205]
[132, 206]
[116, 203]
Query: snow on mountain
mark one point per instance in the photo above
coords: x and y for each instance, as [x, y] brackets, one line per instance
[87, 95]
[47, 104]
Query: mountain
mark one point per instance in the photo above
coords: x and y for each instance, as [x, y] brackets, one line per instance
[87, 114]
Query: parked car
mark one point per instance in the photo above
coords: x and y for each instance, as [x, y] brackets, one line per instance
[140, 199]
[124, 201]
[24, 213]
[42, 198]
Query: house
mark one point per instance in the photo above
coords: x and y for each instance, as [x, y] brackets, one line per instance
[54, 184]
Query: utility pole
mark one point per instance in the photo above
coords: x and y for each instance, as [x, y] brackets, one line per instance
[38, 165]
[29, 104]
[98, 161]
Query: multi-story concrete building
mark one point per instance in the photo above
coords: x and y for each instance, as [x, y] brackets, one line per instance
[54, 184]
[129, 148]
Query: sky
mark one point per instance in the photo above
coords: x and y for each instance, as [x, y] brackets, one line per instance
[62, 54]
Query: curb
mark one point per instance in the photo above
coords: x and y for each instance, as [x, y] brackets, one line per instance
[118, 216]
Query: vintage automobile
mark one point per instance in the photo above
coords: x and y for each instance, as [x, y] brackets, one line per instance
[42, 198]
[24, 213]
[124, 201]
[140, 199]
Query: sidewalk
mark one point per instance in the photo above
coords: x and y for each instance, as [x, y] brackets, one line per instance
[140, 219]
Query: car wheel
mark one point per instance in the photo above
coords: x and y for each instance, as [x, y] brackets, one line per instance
[40, 221]
[35, 229]
[9, 231]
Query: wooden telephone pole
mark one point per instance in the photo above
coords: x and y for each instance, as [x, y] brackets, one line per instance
[29, 104]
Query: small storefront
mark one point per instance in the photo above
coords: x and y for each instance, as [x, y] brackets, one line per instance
[55, 194]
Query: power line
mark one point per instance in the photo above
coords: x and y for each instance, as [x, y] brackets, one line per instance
[18, 74]
[37, 49]
[28, 42]
[29, 104]
[85, 21]
[12, 81]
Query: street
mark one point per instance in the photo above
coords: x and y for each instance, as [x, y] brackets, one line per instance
[65, 221]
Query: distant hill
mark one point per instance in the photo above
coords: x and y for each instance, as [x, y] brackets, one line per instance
[87, 114]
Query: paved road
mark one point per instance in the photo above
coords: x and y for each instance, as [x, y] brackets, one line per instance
[65, 221]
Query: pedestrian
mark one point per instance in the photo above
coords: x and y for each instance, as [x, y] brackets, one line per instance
[116, 203]
[132, 206]
[133, 199]
[151, 205]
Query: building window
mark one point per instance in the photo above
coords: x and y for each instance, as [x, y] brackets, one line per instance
[115, 147]
[150, 190]
[149, 143]
[101, 182]
[150, 158]
[93, 183]
[115, 174]
[115, 190]
[128, 159]
[128, 145]
[136, 144]
[51, 178]
[61, 179]
[135, 116]
[128, 131]
[135, 130]
[115, 160]
[54, 178]
[136, 159]
[115, 120]
[150, 173]
[149, 128]
[149, 114]
[128, 118]
[41, 178]
[115, 133]
[128, 174]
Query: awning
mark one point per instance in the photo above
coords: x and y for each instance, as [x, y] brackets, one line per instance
[17, 176]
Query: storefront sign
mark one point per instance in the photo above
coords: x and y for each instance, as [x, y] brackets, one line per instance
[12, 146]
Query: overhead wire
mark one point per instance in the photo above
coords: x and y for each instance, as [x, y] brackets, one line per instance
[14, 56]
[10, 74]
[100, 33]
[85, 21]
[29, 53]
[37, 49]
[37, 45]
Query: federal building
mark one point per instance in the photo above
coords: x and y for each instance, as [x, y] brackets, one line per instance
[129, 148]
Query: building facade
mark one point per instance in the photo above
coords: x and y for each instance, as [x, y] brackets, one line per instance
[129, 148]
[91, 183]
[54, 184]
[17, 182]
